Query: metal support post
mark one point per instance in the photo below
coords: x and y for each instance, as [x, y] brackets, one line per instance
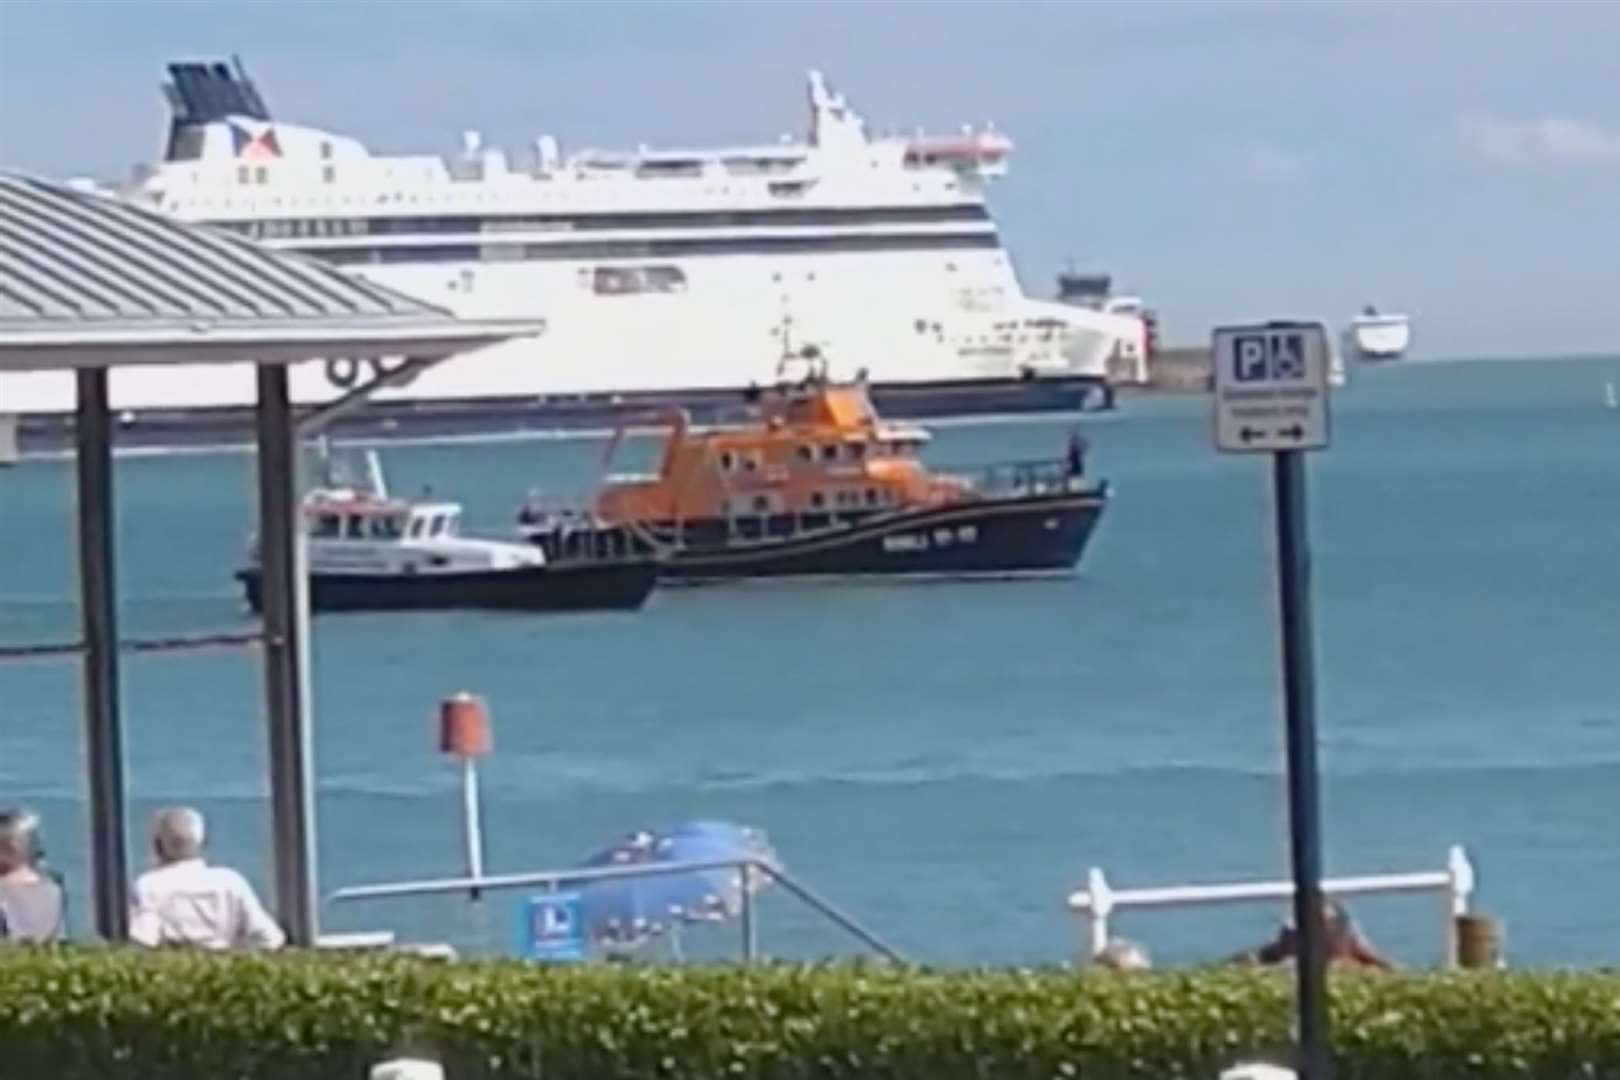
[1304, 812]
[472, 821]
[286, 661]
[103, 734]
[750, 936]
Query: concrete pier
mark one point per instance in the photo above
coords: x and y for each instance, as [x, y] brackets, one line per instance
[1181, 369]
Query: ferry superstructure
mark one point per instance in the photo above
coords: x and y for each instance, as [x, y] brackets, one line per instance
[662, 276]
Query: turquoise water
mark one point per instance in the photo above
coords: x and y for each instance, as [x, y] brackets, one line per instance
[944, 760]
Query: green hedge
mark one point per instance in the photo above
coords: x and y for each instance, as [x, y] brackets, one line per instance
[115, 1014]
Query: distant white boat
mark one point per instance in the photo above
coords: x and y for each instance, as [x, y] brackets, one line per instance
[1610, 398]
[1374, 335]
[1337, 375]
[8, 437]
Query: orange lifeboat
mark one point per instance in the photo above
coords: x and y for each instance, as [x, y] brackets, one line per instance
[816, 447]
[816, 483]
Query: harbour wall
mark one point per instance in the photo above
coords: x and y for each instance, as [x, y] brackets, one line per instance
[1180, 369]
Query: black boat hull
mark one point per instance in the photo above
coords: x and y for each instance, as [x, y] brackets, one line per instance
[1043, 534]
[619, 585]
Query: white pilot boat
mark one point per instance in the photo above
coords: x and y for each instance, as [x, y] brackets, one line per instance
[372, 551]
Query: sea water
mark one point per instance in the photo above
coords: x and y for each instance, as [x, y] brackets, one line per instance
[945, 760]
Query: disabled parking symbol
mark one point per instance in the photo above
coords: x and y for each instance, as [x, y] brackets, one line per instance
[1287, 357]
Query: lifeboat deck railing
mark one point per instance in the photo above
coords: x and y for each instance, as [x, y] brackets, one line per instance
[1039, 476]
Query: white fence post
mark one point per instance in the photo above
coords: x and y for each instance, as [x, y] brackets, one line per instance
[1461, 873]
[1101, 906]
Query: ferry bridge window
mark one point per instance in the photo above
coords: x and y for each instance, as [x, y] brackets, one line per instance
[326, 526]
[417, 525]
[614, 281]
[630, 280]
[439, 522]
[664, 279]
[355, 527]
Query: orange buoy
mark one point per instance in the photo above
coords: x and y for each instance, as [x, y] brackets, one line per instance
[464, 726]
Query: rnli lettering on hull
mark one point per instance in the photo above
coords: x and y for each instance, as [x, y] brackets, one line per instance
[906, 543]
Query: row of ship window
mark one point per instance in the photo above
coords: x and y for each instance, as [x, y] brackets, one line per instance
[843, 499]
[260, 174]
[380, 526]
[807, 453]
[301, 227]
[418, 225]
[621, 249]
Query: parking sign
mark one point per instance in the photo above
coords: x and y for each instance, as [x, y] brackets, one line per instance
[553, 927]
[1271, 387]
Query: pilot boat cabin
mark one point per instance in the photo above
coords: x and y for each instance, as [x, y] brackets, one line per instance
[332, 516]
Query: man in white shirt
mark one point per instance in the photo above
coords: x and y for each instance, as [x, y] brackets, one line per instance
[185, 901]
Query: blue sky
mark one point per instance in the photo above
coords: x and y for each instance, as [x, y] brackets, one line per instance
[1226, 160]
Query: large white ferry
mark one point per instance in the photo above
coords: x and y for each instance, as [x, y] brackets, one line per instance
[662, 276]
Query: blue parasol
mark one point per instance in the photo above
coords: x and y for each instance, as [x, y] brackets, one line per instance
[627, 912]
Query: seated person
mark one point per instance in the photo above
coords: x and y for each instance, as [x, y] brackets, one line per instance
[1121, 954]
[1343, 942]
[185, 900]
[33, 906]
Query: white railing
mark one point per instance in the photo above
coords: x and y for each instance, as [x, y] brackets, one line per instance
[1098, 900]
[745, 865]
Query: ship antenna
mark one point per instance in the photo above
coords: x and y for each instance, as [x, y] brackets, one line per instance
[787, 343]
[375, 480]
[323, 452]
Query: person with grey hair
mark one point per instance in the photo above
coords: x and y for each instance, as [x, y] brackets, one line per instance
[186, 901]
[33, 904]
[1122, 954]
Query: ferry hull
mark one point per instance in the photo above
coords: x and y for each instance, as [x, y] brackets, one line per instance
[590, 412]
[1035, 535]
[621, 585]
